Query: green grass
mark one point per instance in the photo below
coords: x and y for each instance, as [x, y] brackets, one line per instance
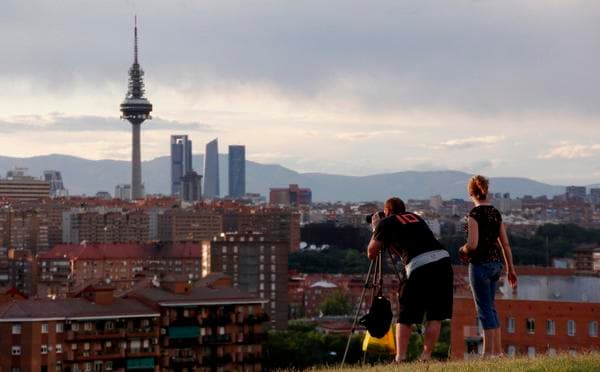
[565, 362]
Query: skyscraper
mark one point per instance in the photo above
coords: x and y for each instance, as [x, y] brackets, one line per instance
[56, 184]
[136, 109]
[211, 169]
[237, 171]
[181, 162]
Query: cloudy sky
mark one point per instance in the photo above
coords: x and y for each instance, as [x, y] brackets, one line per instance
[503, 88]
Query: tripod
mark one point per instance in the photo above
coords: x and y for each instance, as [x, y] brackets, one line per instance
[374, 282]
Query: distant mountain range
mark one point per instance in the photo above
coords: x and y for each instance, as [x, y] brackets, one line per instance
[83, 176]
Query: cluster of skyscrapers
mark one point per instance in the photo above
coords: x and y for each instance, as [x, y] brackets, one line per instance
[191, 186]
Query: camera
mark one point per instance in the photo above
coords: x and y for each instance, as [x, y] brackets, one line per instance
[369, 217]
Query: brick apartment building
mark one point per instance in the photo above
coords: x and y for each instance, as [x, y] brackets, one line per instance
[207, 327]
[293, 195]
[23, 228]
[18, 268]
[93, 332]
[552, 311]
[70, 266]
[105, 226]
[258, 266]
[180, 225]
[307, 292]
[277, 224]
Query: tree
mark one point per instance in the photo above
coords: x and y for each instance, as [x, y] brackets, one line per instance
[336, 304]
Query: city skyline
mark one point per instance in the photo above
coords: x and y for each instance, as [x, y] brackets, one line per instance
[484, 87]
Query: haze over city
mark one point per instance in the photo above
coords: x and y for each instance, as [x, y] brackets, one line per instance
[502, 88]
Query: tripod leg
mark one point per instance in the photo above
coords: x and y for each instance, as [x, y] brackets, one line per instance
[362, 296]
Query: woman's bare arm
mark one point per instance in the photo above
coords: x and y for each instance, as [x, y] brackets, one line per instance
[507, 253]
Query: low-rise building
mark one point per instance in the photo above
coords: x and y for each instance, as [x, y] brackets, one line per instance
[70, 266]
[207, 327]
[551, 311]
[93, 332]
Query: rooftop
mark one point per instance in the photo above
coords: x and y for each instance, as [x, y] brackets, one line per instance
[122, 251]
[198, 296]
[72, 308]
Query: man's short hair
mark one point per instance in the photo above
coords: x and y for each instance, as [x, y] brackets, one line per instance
[395, 205]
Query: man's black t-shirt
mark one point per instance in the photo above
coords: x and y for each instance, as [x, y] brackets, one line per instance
[406, 235]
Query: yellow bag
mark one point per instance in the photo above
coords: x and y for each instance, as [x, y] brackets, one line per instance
[386, 344]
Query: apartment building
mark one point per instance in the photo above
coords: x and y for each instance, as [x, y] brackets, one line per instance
[258, 266]
[70, 266]
[207, 327]
[276, 224]
[189, 225]
[93, 332]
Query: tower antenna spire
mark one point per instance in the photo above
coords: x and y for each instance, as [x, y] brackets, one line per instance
[135, 41]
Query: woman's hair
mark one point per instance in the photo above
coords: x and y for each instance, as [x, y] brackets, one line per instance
[478, 187]
[395, 205]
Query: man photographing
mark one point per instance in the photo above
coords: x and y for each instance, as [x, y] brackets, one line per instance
[427, 290]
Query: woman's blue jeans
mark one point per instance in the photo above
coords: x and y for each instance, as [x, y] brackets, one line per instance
[483, 278]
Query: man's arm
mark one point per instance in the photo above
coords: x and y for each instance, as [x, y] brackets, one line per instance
[374, 248]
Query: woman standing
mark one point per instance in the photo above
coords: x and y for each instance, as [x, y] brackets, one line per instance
[487, 247]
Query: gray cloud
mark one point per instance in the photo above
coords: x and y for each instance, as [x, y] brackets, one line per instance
[61, 122]
[477, 56]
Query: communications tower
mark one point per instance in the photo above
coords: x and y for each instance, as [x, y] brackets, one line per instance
[136, 109]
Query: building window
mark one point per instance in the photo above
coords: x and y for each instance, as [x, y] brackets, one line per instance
[15, 369]
[44, 349]
[108, 365]
[58, 348]
[97, 366]
[530, 351]
[550, 327]
[16, 329]
[87, 326]
[16, 350]
[75, 327]
[86, 346]
[572, 351]
[109, 325]
[530, 323]
[571, 327]
[593, 328]
[551, 351]
[510, 326]
[60, 327]
[511, 351]
[224, 250]
[87, 367]
[221, 330]
[44, 327]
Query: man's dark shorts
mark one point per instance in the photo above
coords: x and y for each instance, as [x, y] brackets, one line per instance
[427, 293]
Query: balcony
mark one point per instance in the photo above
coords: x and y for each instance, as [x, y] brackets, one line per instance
[89, 355]
[217, 360]
[182, 361]
[143, 352]
[216, 339]
[96, 335]
[147, 332]
[183, 332]
[255, 338]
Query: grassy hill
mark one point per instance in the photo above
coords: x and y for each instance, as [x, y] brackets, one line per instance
[582, 362]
